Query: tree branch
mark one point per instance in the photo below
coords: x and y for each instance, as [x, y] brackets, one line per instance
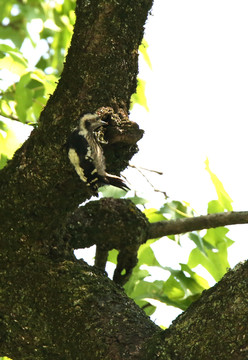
[172, 227]
[100, 71]
[214, 327]
[52, 306]
[84, 227]
[129, 228]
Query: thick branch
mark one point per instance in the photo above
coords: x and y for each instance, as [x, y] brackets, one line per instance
[214, 327]
[82, 231]
[50, 305]
[68, 310]
[172, 227]
[100, 70]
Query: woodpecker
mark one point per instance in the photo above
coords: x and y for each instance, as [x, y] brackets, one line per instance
[86, 154]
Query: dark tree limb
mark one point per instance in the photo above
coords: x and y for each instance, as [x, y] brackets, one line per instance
[100, 72]
[118, 224]
[110, 224]
[180, 226]
[121, 218]
[214, 327]
[52, 306]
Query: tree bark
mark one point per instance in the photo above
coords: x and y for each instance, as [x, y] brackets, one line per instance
[51, 305]
[214, 327]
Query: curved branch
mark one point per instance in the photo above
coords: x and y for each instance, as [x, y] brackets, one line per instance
[172, 227]
[222, 311]
[100, 70]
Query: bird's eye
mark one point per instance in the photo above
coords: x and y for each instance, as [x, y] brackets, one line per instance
[87, 124]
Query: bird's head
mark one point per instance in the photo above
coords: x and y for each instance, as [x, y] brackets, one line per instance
[90, 122]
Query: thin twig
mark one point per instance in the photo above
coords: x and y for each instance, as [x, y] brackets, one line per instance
[138, 168]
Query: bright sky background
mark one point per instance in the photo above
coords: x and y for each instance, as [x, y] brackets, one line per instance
[197, 93]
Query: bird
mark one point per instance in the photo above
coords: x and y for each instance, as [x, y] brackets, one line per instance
[86, 154]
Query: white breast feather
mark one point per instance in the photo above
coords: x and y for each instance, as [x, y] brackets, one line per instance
[74, 159]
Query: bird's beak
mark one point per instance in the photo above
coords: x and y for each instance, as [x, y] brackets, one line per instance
[98, 123]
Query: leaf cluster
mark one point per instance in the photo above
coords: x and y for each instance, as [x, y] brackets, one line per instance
[181, 285]
[35, 36]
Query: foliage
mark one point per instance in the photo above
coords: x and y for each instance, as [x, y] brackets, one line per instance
[224, 201]
[139, 97]
[34, 37]
[8, 143]
[143, 50]
[180, 286]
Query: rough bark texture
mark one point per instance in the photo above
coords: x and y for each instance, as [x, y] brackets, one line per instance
[100, 70]
[52, 306]
[67, 310]
[214, 327]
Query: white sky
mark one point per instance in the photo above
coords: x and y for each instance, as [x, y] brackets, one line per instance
[197, 93]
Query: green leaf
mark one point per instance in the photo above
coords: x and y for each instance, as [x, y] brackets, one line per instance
[215, 206]
[9, 33]
[198, 240]
[223, 196]
[154, 215]
[31, 96]
[48, 81]
[50, 84]
[3, 126]
[111, 191]
[211, 252]
[214, 260]
[148, 308]
[216, 265]
[24, 99]
[197, 283]
[3, 160]
[37, 107]
[179, 290]
[5, 109]
[217, 237]
[189, 284]
[8, 143]
[146, 255]
[168, 292]
[12, 60]
[136, 278]
[177, 210]
[112, 256]
[143, 50]
[139, 97]
[138, 200]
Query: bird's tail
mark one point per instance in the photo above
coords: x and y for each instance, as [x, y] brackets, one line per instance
[116, 181]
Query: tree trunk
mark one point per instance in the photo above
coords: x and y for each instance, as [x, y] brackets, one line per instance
[51, 305]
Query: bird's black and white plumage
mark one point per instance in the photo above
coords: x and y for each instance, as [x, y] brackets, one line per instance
[86, 154]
